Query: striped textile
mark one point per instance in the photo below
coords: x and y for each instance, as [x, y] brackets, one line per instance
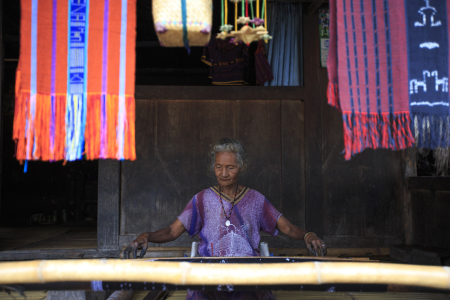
[75, 80]
[388, 71]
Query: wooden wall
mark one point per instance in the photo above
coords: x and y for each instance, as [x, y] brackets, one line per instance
[295, 142]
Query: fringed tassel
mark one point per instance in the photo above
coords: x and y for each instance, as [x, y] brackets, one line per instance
[19, 125]
[75, 123]
[431, 131]
[105, 119]
[362, 131]
[92, 133]
[112, 120]
[333, 95]
[60, 128]
[56, 127]
[129, 147]
[29, 128]
[121, 123]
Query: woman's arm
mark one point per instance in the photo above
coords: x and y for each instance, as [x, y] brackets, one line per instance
[164, 235]
[313, 242]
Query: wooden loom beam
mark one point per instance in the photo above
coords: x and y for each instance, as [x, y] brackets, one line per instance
[184, 273]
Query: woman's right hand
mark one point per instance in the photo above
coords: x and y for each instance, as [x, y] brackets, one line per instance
[140, 241]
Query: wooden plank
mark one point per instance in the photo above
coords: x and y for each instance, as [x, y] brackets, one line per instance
[362, 242]
[442, 224]
[216, 120]
[314, 6]
[423, 227]
[293, 161]
[108, 204]
[57, 254]
[2, 65]
[436, 183]
[410, 170]
[259, 128]
[343, 181]
[141, 178]
[176, 151]
[383, 189]
[154, 92]
[315, 81]
[430, 215]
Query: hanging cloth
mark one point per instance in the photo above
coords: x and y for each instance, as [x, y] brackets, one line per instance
[284, 20]
[75, 80]
[388, 72]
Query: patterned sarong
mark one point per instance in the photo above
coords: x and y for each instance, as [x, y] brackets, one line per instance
[75, 80]
[388, 69]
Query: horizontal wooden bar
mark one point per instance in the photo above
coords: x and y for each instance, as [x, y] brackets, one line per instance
[432, 183]
[184, 273]
[161, 92]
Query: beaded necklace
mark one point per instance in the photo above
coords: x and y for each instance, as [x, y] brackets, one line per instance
[228, 223]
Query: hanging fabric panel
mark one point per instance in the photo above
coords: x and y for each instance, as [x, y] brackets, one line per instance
[75, 80]
[388, 70]
[284, 50]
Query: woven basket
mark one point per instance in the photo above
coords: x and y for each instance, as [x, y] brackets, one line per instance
[169, 26]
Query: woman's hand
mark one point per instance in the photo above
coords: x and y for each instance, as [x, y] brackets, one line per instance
[164, 235]
[312, 241]
[314, 244]
[140, 241]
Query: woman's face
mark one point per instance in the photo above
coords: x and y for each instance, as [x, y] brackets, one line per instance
[226, 169]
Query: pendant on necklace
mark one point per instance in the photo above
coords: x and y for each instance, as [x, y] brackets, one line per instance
[227, 223]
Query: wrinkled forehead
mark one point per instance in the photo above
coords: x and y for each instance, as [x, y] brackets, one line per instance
[226, 158]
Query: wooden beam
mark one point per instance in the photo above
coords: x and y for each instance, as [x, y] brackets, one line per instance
[2, 64]
[163, 92]
[56, 254]
[431, 183]
[314, 6]
[409, 170]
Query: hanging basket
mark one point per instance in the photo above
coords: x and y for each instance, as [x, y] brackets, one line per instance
[168, 19]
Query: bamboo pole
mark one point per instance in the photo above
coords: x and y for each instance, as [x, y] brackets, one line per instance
[185, 273]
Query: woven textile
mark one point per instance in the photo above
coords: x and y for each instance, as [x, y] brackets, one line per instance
[388, 73]
[228, 62]
[75, 80]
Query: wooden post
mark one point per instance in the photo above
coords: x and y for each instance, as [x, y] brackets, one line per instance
[313, 136]
[410, 170]
[109, 172]
[1, 93]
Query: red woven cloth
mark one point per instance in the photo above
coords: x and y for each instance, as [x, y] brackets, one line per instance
[366, 72]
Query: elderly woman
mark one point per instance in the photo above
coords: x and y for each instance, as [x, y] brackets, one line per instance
[228, 217]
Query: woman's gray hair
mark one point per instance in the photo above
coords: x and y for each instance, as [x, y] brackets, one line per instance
[228, 145]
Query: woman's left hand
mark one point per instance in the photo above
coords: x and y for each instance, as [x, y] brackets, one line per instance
[315, 244]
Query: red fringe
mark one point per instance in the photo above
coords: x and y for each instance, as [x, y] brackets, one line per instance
[39, 131]
[130, 148]
[362, 131]
[333, 95]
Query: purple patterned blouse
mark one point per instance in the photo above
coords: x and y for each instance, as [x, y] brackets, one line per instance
[204, 216]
